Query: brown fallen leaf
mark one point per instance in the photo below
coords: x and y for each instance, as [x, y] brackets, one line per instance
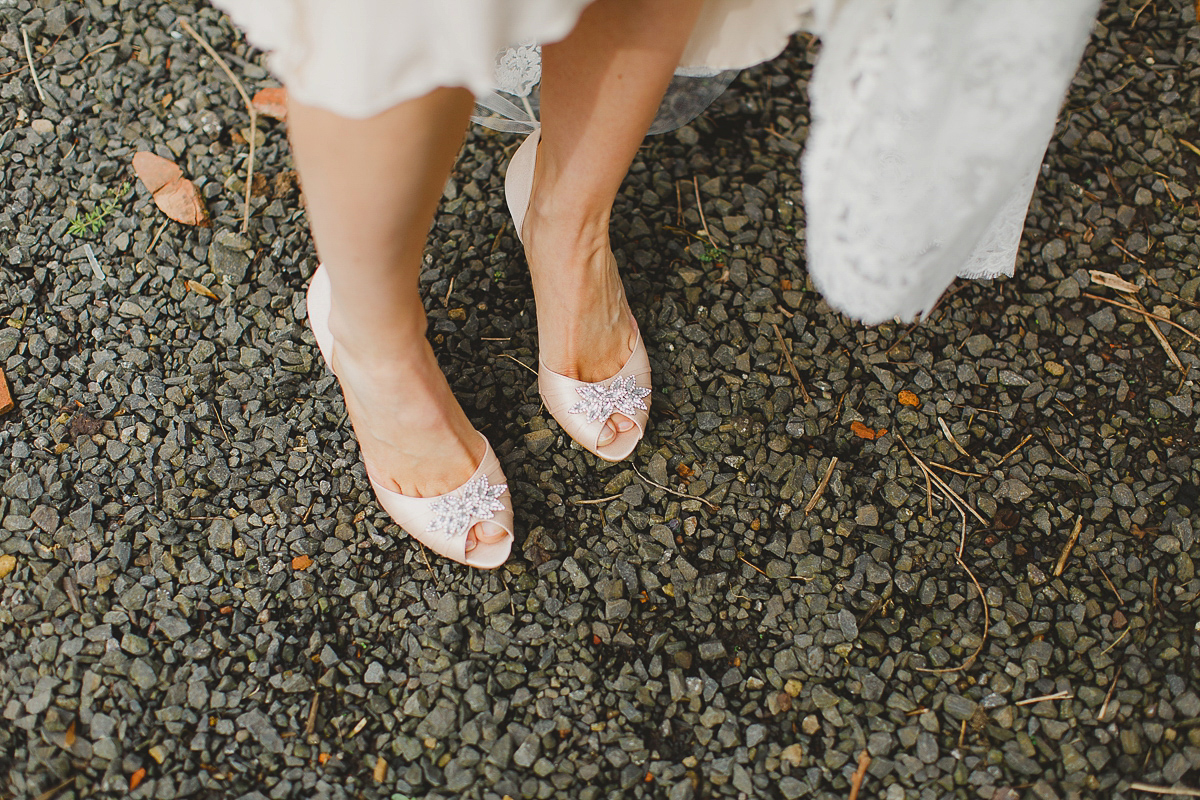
[136, 778]
[271, 103]
[300, 563]
[6, 401]
[908, 398]
[201, 289]
[174, 194]
[381, 768]
[863, 432]
[84, 424]
[322, 758]
[69, 736]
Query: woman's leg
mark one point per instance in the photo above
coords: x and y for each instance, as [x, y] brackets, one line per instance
[601, 87]
[371, 188]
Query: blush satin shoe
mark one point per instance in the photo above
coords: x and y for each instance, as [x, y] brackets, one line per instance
[440, 523]
[580, 407]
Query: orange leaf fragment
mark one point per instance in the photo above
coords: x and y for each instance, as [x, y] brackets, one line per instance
[322, 758]
[271, 103]
[174, 194]
[907, 398]
[862, 431]
[300, 563]
[6, 401]
[69, 736]
[136, 778]
[381, 768]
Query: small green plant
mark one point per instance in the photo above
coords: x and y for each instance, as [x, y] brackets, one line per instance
[92, 222]
[713, 254]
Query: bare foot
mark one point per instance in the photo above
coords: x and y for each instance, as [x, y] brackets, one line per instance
[414, 437]
[585, 328]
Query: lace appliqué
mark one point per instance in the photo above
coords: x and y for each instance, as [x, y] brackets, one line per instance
[519, 69]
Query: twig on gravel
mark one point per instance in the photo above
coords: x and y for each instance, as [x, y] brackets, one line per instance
[812, 501]
[864, 761]
[311, 724]
[1013, 452]
[751, 566]
[608, 499]
[711, 505]
[791, 364]
[183, 23]
[1138, 13]
[950, 438]
[100, 49]
[1066, 551]
[700, 208]
[962, 507]
[948, 468]
[1189, 145]
[29, 57]
[1108, 696]
[519, 361]
[1108, 580]
[1177, 791]
[1028, 701]
[1144, 313]
[157, 233]
[53, 790]
[1070, 463]
[1124, 633]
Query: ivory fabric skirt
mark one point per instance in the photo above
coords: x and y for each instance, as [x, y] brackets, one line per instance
[930, 118]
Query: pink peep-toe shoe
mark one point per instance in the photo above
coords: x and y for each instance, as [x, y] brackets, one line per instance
[582, 408]
[440, 523]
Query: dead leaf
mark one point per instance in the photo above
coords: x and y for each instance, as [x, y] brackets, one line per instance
[201, 289]
[863, 432]
[84, 424]
[6, 401]
[271, 103]
[7, 565]
[69, 736]
[322, 758]
[907, 398]
[136, 778]
[284, 184]
[1137, 531]
[1113, 281]
[174, 194]
[300, 563]
[381, 768]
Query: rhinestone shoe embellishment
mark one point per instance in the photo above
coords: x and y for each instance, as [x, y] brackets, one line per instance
[599, 402]
[476, 502]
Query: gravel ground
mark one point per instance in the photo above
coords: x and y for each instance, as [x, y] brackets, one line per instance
[198, 594]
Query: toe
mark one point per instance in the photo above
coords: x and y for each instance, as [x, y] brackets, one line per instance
[622, 422]
[607, 434]
[488, 533]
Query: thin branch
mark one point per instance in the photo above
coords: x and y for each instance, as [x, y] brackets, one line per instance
[608, 499]
[1144, 313]
[1066, 551]
[183, 23]
[1177, 791]
[864, 761]
[700, 208]
[1108, 695]
[29, 57]
[791, 364]
[711, 505]
[1028, 701]
[812, 501]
